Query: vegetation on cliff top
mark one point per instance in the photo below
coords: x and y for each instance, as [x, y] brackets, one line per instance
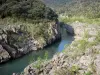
[80, 19]
[26, 9]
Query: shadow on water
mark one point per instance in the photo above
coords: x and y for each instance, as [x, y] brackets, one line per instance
[19, 64]
[69, 28]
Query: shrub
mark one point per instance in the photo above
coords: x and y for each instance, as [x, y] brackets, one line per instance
[46, 55]
[88, 73]
[38, 63]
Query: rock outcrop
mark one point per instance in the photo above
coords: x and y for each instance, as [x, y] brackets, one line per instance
[16, 41]
[26, 27]
[4, 55]
[80, 58]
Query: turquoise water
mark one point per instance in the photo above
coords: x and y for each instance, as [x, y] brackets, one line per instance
[17, 65]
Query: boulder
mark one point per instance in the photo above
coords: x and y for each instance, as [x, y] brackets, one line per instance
[69, 29]
[4, 55]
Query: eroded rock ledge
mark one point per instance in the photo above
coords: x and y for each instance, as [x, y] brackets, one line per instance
[82, 57]
[16, 41]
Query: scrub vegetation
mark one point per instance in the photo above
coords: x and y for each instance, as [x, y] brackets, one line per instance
[25, 9]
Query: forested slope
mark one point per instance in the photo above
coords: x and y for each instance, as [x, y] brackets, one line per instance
[88, 8]
[31, 9]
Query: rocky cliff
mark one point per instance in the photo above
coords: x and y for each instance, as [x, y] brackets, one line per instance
[82, 57]
[25, 27]
[16, 40]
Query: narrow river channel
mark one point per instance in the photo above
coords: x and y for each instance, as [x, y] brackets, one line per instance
[17, 65]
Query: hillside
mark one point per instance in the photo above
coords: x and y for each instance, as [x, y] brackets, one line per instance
[26, 9]
[88, 8]
[54, 3]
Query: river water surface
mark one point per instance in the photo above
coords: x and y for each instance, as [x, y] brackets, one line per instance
[17, 65]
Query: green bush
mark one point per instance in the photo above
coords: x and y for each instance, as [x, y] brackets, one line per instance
[46, 55]
[88, 73]
[38, 63]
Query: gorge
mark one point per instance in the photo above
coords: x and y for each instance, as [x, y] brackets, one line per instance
[19, 64]
[49, 37]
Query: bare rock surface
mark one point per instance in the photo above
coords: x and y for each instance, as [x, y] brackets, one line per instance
[16, 41]
[4, 55]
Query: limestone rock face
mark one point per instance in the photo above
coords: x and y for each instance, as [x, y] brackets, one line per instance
[18, 41]
[4, 55]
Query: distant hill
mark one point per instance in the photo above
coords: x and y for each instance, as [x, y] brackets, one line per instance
[56, 3]
[89, 8]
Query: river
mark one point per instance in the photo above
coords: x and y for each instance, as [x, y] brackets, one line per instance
[17, 65]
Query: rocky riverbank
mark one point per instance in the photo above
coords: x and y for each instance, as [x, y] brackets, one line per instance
[17, 40]
[82, 57]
